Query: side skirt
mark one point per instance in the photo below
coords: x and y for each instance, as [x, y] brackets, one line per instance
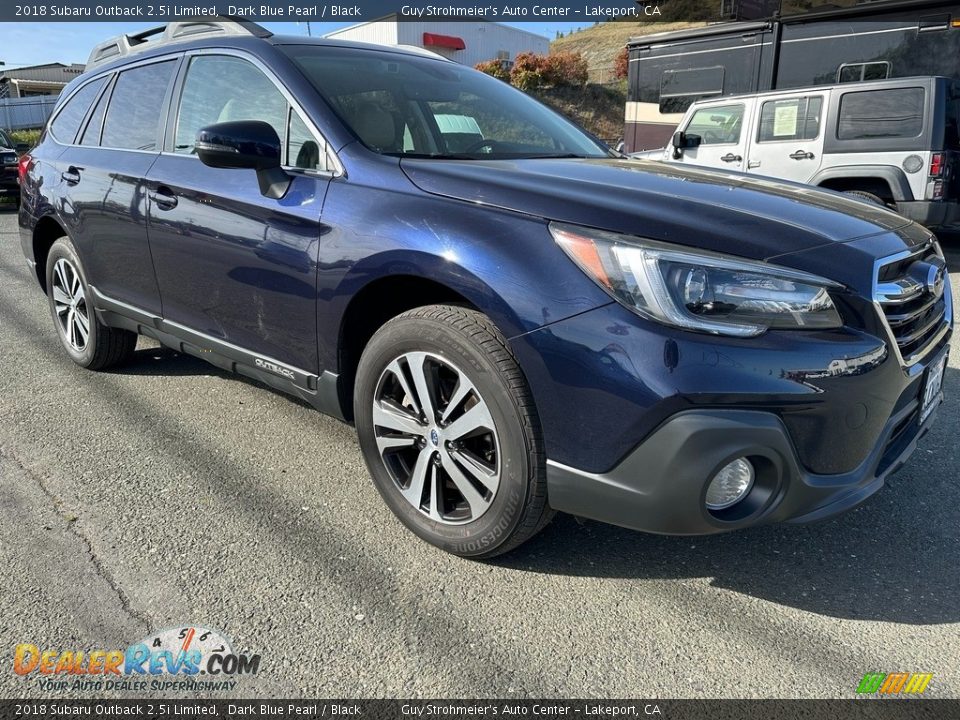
[320, 391]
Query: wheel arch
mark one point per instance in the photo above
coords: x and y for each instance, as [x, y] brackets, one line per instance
[46, 232]
[405, 287]
[887, 182]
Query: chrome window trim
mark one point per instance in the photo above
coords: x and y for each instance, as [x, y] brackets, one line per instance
[338, 169]
[910, 364]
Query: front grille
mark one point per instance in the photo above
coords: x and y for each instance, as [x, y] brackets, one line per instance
[913, 293]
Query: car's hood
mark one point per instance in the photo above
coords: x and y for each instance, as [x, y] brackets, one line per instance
[727, 212]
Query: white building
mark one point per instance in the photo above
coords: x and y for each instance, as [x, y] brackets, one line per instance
[464, 42]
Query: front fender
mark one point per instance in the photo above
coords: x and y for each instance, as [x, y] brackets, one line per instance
[504, 263]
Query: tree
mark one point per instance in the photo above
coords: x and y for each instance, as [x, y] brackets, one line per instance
[621, 66]
[531, 71]
[493, 68]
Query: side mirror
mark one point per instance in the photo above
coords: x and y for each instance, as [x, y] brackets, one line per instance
[678, 142]
[682, 141]
[245, 144]
[22, 148]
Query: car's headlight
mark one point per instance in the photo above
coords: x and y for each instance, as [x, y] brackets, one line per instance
[699, 290]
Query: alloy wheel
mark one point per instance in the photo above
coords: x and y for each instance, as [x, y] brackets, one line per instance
[436, 437]
[70, 303]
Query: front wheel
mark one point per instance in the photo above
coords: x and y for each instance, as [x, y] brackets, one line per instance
[449, 431]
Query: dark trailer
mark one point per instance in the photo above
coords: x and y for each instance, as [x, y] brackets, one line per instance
[777, 44]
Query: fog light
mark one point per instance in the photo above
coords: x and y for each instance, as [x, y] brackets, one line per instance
[730, 485]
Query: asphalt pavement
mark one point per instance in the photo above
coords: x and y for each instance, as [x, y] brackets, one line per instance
[168, 493]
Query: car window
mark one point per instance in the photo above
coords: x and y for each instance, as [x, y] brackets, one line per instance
[91, 135]
[136, 107]
[790, 119]
[303, 149]
[6, 140]
[468, 123]
[222, 88]
[719, 125]
[894, 113]
[679, 89]
[67, 122]
[403, 104]
[460, 132]
[952, 126]
[859, 72]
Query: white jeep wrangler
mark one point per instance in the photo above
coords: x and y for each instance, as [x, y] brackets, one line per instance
[893, 142]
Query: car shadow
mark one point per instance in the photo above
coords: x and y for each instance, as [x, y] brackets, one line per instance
[162, 361]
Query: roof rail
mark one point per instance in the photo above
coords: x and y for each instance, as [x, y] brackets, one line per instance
[173, 32]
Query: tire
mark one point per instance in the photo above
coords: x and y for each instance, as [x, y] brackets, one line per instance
[67, 293]
[492, 481]
[868, 197]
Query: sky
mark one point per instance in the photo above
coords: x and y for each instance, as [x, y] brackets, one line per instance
[27, 43]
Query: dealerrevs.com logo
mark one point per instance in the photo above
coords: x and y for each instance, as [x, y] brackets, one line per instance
[186, 658]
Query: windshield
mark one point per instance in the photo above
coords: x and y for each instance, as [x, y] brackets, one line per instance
[408, 106]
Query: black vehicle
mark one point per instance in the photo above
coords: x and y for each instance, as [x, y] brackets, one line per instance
[517, 323]
[9, 155]
[780, 45]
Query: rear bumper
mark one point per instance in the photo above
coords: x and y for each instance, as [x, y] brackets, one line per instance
[660, 487]
[931, 214]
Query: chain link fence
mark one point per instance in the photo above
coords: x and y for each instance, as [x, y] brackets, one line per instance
[26, 113]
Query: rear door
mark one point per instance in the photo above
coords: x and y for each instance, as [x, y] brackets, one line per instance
[722, 129]
[232, 264]
[103, 174]
[788, 140]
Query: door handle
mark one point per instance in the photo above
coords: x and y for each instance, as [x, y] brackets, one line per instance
[730, 157]
[164, 199]
[801, 155]
[71, 175]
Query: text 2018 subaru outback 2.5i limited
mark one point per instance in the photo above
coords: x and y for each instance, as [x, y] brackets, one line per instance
[516, 320]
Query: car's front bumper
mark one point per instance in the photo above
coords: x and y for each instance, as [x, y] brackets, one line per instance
[638, 418]
[661, 485]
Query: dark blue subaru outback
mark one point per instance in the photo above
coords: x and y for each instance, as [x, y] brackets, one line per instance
[517, 320]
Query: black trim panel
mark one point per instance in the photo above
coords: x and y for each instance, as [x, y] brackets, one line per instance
[320, 391]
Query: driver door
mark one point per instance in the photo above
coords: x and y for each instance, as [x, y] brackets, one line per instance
[232, 264]
[723, 129]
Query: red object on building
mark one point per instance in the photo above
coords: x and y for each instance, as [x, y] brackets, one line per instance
[445, 41]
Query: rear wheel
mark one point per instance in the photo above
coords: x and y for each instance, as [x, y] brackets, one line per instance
[90, 343]
[864, 195]
[449, 431]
